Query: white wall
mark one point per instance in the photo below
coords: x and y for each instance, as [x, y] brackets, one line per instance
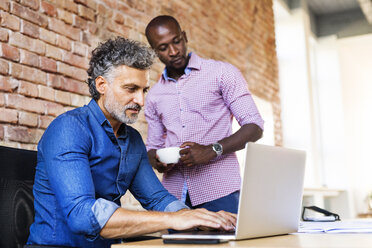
[328, 90]
[356, 76]
[326, 95]
[295, 92]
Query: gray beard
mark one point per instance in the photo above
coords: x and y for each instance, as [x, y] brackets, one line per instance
[117, 111]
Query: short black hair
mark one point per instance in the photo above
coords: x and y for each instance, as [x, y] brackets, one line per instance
[160, 21]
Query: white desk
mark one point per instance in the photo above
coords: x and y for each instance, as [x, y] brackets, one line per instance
[288, 241]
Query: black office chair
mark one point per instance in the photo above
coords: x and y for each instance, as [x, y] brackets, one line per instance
[17, 173]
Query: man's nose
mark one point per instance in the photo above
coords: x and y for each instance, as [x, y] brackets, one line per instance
[173, 50]
[139, 98]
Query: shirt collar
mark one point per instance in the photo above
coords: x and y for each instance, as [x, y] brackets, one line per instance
[101, 118]
[194, 63]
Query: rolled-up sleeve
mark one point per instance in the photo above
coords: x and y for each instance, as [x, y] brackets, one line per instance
[238, 98]
[64, 148]
[175, 206]
[103, 209]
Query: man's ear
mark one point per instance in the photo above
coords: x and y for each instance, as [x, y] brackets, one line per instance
[101, 84]
[185, 36]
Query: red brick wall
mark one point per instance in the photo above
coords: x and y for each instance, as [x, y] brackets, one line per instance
[45, 47]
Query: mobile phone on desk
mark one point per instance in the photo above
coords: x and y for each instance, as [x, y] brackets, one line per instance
[194, 241]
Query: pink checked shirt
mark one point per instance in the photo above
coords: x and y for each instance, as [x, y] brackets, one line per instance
[198, 107]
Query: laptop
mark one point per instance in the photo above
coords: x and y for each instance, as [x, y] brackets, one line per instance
[270, 196]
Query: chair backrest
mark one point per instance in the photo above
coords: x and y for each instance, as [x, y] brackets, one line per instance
[17, 173]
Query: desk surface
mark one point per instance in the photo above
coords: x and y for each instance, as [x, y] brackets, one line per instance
[318, 240]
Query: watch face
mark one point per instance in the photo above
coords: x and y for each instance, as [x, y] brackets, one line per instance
[217, 147]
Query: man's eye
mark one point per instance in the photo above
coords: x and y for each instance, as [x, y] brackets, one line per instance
[162, 49]
[177, 41]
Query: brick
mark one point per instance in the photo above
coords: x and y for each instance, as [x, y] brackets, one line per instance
[8, 115]
[33, 4]
[86, 13]
[54, 109]
[92, 27]
[119, 18]
[46, 92]
[28, 89]
[7, 85]
[68, 84]
[121, 29]
[26, 103]
[90, 39]
[28, 14]
[1, 132]
[49, 65]
[91, 4]
[70, 6]
[44, 121]
[2, 99]
[131, 23]
[62, 97]
[9, 21]
[30, 29]
[62, 28]
[53, 52]
[75, 86]
[48, 9]
[65, 16]
[112, 4]
[137, 4]
[55, 81]
[4, 67]
[48, 36]
[23, 134]
[71, 71]
[31, 147]
[22, 41]
[78, 100]
[76, 60]
[28, 119]
[101, 10]
[63, 42]
[80, 23]
[4, 35]
[29, 58]
[28, 73]
[79, 49]
[84, 2]
[5, 5]
[9, 52]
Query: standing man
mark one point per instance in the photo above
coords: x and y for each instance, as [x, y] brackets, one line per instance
[192, 106]
[89, 157]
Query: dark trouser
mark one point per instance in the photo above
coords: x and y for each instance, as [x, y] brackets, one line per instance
[227, 203]
[45, 246]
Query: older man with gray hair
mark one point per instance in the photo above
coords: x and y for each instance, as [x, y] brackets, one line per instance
[89, 157]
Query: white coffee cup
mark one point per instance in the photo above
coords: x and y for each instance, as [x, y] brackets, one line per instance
[169, 155]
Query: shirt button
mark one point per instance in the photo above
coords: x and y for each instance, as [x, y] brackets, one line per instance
[183, 126]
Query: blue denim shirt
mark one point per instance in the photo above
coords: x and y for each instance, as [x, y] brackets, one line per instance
[82, 172]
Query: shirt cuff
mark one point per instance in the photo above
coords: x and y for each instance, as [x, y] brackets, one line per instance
[102, 210]
[175, 206]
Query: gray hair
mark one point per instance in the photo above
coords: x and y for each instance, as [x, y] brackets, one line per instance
[113, 53]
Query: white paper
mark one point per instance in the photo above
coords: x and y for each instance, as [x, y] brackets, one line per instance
[352, 226]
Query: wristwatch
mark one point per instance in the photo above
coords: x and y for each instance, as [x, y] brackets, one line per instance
[217, 148]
